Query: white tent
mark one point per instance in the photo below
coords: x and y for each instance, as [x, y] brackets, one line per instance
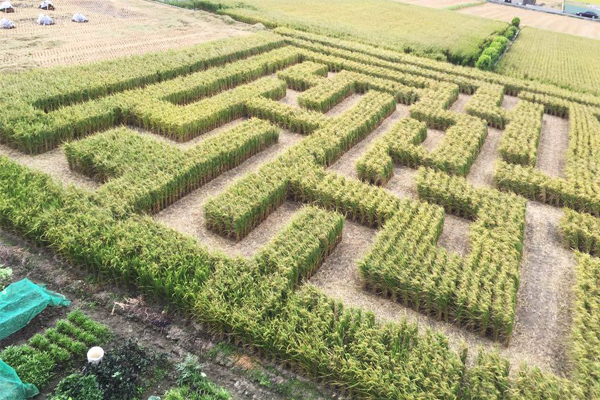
[79, 18]
[6, 24]
[6, 7]
[45, 20]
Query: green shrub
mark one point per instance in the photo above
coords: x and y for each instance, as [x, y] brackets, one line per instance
[123, 371]
[516, 21]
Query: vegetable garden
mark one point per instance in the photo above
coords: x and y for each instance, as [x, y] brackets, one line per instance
[122, 123]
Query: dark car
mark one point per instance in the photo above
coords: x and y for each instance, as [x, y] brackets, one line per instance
[588, 14]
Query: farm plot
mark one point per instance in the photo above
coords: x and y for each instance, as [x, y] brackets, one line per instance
[564, 60]
[459, 38]
[115, 29]
[266, 252]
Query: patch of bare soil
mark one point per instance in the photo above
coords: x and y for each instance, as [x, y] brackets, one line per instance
[347, 163]
[482, 170]
[403, 184]
[543, 315]
[291, 97]
[554, 142]
[509, 102]
[242, 373]
[455, 235]
[187, 214]
[344, 105]
[434, 137]
[460, 103]
[537, 19]
[54, 163]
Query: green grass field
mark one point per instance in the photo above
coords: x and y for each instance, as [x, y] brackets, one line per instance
[564, 60]
[439, 33]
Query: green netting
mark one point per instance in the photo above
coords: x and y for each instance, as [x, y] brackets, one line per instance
[11, 387]
[21, 301]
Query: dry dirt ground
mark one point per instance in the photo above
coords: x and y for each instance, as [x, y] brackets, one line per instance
[115, 28]
[537, 19]
[542, 316]
[436, 3]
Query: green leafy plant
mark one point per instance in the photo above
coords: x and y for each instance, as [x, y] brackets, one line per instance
[78, 387]
[5, 276]
[123, 370]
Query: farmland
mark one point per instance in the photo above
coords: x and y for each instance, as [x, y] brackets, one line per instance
[114, 29]
[372, 21]
[563, 60]
[388, 225]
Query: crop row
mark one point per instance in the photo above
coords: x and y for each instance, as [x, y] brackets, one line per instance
[485, 104]
[478, 291]
[37, 361]
[240, 299]
[581, 232]
[579, 189]
[150, 107]
[376, 165]
[303, 76]
[468, 79]
[520, 140]
[257, 194]
[148, 175]
[585, 346]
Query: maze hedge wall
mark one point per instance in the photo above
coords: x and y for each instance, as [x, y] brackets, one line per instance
[264, 301]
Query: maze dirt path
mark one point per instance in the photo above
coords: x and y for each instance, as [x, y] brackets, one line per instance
[546, 263]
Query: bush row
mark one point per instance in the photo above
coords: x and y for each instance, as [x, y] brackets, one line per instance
[491, 54]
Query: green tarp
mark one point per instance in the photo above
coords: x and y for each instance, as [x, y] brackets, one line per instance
[21, 301]
[11, 387]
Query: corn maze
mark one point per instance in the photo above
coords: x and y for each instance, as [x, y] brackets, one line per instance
[133, 125]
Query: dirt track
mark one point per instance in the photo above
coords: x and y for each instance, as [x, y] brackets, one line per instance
[115, 28]
[556, 23]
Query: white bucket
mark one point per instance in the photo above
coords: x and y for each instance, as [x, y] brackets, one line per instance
[95, 354]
